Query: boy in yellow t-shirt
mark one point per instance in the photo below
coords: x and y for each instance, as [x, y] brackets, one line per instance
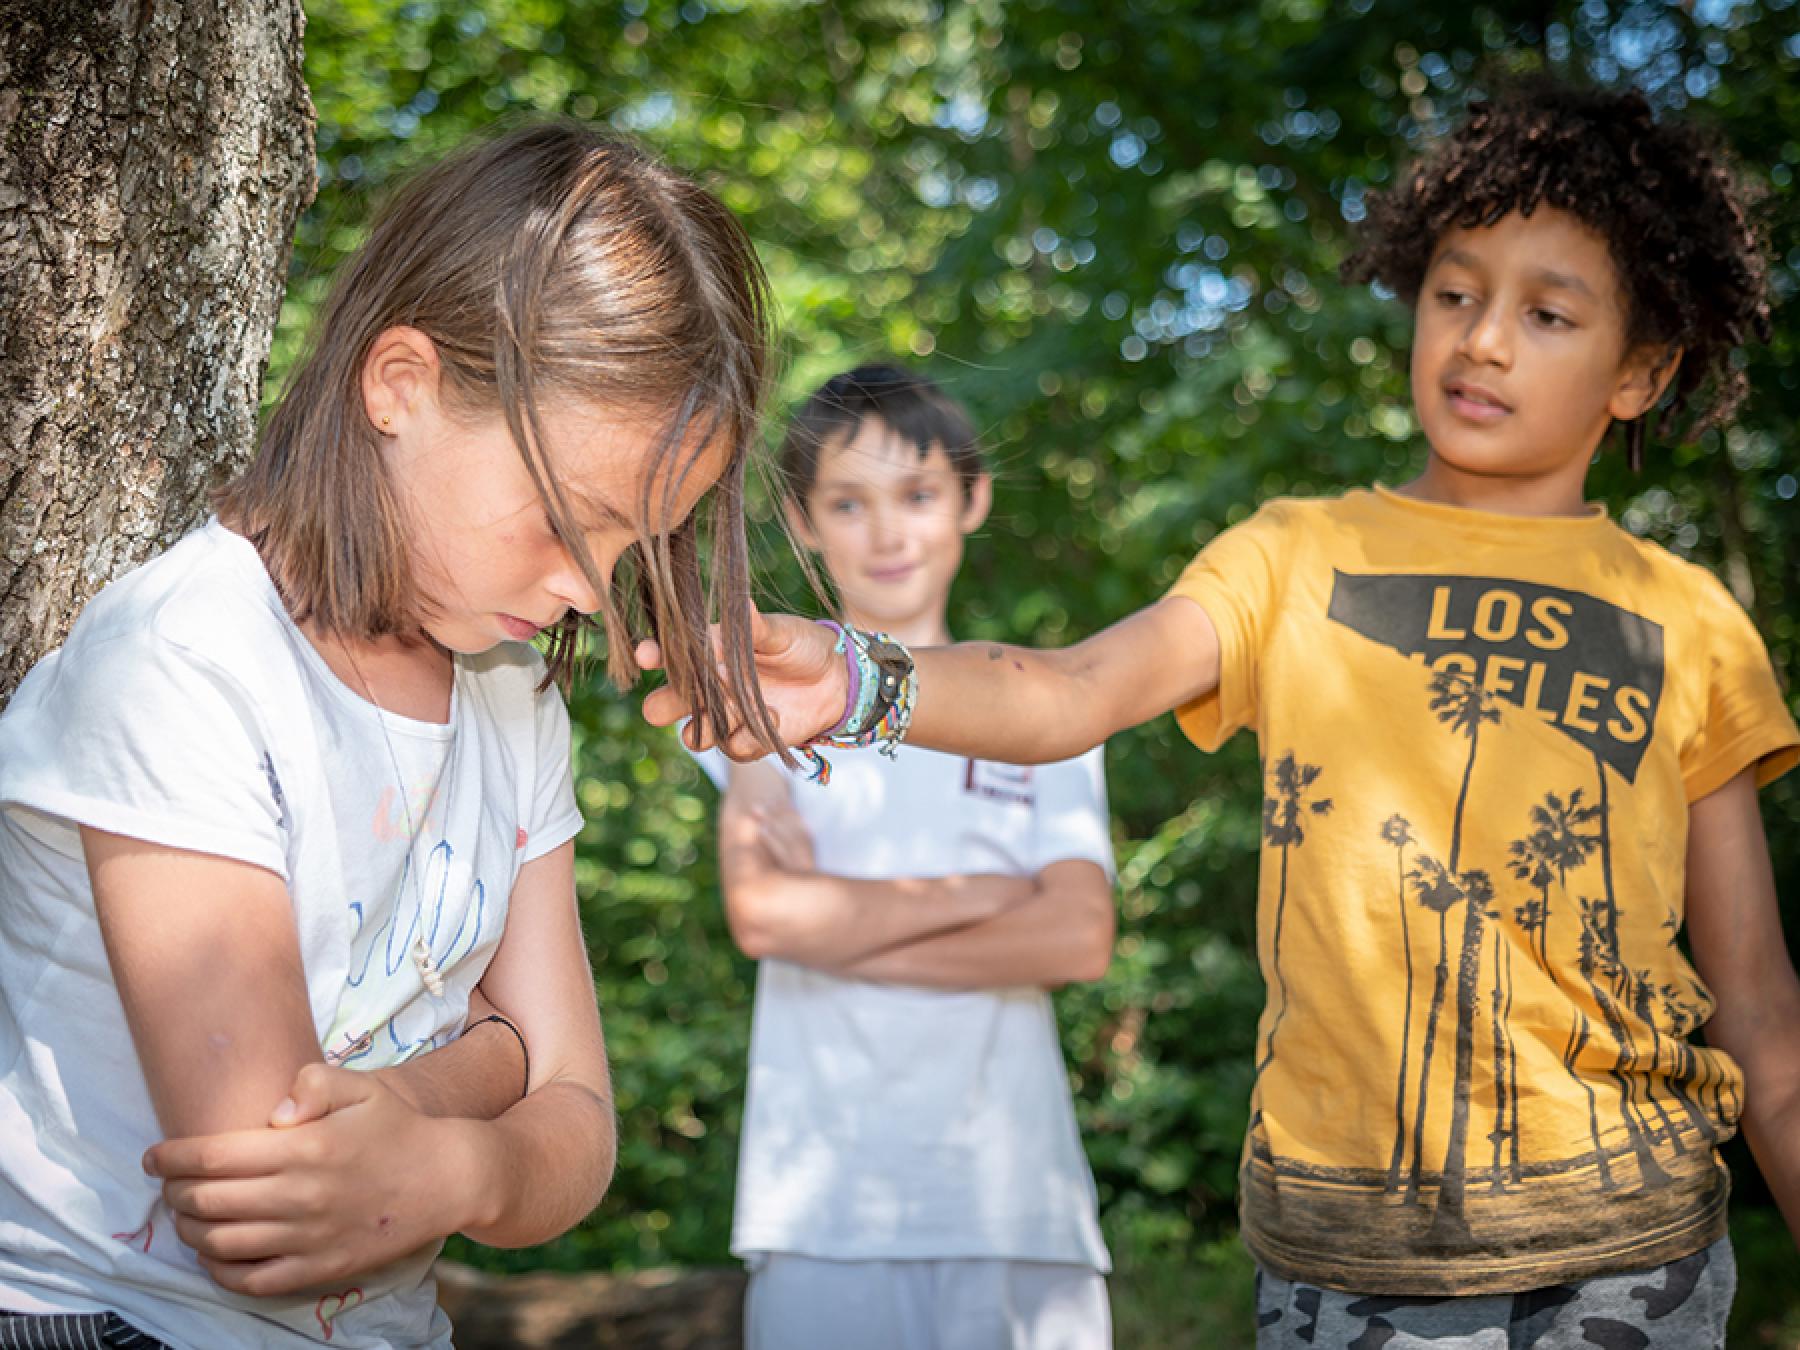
[1509, 751]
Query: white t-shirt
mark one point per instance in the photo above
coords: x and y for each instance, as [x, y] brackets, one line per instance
[887, 1122]
[188, 710]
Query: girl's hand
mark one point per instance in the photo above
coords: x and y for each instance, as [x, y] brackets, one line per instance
[803, 679]
[350, 1179]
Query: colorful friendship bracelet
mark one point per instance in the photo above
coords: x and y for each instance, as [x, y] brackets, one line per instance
[880, 701]
[863, 691]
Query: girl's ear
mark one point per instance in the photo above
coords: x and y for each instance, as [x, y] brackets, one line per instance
[400, 378]
[1642, 381]
[978, 500]
[799, 523]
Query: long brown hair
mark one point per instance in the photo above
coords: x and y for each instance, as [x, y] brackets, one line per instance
[550, 263]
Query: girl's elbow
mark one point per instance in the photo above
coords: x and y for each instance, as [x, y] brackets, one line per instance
[603, 1180]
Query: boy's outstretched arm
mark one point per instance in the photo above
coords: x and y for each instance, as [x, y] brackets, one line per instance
[778, 906]
[1734, 929]
[1016, 705]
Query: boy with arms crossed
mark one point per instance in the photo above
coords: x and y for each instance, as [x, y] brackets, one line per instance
[1509, 750]
[911, 1175]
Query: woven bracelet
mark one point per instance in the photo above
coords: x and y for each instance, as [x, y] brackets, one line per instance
[863, 684]
[860, 726]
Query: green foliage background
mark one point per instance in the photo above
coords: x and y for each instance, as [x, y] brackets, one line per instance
[1112, 227]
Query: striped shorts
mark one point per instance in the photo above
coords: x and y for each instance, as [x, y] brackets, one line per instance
[72, 1331]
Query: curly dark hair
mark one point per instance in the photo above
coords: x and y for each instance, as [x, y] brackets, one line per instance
[1665, 195]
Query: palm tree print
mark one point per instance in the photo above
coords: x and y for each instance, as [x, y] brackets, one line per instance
[1613, 966]
[1464, 706]
[1643, 1003]
[1717, 1078]
[1557, 840]
[1449, 1223]
[1531, 917]
[1581, 1031]
[1683, 1018]
[1506, 1069]
[1284, 816]
[1396, 831]
[1547, 854]
[1599, 936]
[1437, 891]
[1533, 861]
[1625, 996]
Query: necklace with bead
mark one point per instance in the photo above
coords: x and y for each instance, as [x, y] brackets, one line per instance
[430, 974]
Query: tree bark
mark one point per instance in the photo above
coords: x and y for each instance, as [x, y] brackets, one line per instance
[154, 156]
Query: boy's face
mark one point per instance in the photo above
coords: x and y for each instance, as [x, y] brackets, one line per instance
[889, 527]
[1519, 360]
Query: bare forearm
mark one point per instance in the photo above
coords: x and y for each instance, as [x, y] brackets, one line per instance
[1048, 941]
[1017, 705]
[1734, 930]
[830, 922]
[542, 1166]
[476, 1077]
[1772, 1126]
[1763, 1035]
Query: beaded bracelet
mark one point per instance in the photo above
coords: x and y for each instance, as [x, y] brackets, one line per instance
[879, 707]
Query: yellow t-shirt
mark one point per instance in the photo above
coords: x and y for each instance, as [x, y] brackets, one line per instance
[1480, 735]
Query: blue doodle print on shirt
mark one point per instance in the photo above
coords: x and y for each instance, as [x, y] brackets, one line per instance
[384, 1001]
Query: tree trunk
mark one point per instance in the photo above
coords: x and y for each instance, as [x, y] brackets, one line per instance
[154, 155]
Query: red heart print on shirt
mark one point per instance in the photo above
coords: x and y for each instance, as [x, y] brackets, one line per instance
[330, 1305]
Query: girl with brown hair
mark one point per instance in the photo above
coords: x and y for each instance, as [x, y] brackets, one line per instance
[294, 800]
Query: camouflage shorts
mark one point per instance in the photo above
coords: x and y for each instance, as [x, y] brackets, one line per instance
[1680, 1306]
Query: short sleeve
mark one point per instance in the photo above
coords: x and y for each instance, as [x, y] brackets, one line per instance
[141, 736]
[1745, 721]
[1069, 816]
[1235, 579]
[555, 818]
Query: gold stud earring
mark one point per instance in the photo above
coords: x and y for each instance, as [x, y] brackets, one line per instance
[386, 420]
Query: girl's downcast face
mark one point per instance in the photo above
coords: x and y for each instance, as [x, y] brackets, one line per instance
[491, 567]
